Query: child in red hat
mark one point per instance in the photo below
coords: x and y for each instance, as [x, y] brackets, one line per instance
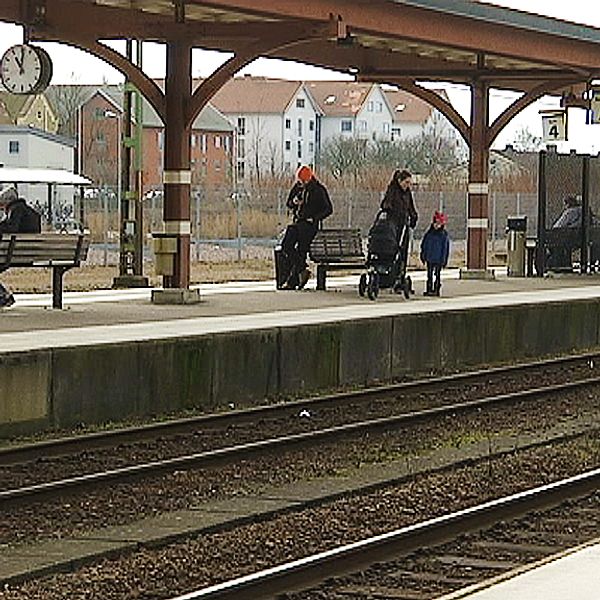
[435, 249]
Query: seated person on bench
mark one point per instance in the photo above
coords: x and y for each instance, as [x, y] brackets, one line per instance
[19, 218]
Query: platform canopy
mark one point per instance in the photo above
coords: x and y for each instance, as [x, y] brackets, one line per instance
[37, 176]
[428, 39]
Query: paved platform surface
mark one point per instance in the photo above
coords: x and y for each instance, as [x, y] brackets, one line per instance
[127, 315]
[572, 576]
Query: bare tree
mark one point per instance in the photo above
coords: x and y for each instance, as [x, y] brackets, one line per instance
[66, 100]
[526, 141]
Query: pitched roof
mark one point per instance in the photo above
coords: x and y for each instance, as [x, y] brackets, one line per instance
[339, 98]
[255, 95]
[15, 105]
[407, 108]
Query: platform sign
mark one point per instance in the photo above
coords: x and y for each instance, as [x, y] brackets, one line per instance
[595, 105]
[554, 125]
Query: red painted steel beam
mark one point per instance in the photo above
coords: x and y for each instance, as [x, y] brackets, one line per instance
[428, 26]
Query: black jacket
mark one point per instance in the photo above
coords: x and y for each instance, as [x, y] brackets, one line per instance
[21, 218]
[399, 204]
[313, 204]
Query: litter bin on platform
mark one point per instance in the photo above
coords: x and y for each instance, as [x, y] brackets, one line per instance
[516, 230]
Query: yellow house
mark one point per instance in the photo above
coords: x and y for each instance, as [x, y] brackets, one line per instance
[28, 111]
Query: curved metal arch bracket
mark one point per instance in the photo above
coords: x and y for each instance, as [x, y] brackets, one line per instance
[520, 104]
[438, 103]
[208, 88]
[147, 87]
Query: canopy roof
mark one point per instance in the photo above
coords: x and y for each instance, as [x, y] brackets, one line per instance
[384, 40]
[50, 176]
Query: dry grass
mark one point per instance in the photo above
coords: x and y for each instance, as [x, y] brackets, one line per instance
[96, 277]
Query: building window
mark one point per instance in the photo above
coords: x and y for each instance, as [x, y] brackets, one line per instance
[99, 113]
[204, 143]
[370, 106]
[288, 145]
[241, 149]
[161, 139]
[346, 126]
[227, 140]
[288, 123]
[193, 141]
[39, 115]
[13, 147]
[299, 149]
[300, 127]
[241, 128]
[100, 137]
[300, 103]
[311, 125]
[241, 170]
[362, 125]
[288, 167]
[311, 147]
[380, 107]
[217, 165]
[386, 127]
[217, 141]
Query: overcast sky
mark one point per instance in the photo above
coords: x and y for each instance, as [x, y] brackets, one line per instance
[71, 66]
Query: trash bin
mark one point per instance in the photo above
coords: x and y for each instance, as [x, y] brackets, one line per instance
[165, 248]
[516, 230]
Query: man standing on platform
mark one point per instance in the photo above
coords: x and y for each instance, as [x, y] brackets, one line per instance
[310, 203]
[19, 218]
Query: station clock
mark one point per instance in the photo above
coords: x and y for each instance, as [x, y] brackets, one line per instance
[25, 69]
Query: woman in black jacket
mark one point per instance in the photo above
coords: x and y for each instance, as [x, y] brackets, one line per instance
[398, 201]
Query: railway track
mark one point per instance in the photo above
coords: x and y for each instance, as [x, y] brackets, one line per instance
[440, 555]
[372, 402]
[213, 458]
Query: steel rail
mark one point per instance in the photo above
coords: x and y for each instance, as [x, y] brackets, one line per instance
[313, 570]
[106, 439]
[227, 455]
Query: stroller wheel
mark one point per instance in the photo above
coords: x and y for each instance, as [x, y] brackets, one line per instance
[362, 285]
[373, 286]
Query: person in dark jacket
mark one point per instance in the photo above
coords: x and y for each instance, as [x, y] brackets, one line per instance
[310, 203]
[398, 201]
[435, 249]
[19, 218]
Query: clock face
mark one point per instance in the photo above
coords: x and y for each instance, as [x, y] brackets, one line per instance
[25, 69]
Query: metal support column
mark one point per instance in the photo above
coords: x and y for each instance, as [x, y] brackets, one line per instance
[130, 248]
[177, 161]
[477, 219]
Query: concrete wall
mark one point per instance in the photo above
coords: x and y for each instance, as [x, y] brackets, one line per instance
[64, 387]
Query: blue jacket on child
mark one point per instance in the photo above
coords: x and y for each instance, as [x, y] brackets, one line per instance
[435, 246]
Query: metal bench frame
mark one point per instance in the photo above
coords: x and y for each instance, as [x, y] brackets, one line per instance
[336, 250]
[36, 250]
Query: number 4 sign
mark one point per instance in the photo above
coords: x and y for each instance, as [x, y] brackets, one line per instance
[554, 125]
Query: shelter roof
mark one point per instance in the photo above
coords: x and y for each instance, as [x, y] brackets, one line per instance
[379, 40]
[55, 176]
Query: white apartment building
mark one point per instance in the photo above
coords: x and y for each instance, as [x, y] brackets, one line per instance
[33, 148]
[350, 109]
[276, 124]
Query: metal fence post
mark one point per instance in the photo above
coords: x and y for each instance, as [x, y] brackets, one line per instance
[494, 221]
[238, 202]
[105, 224]
[197, 227]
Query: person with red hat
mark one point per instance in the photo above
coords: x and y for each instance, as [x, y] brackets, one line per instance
[310, 203]
[435, 249]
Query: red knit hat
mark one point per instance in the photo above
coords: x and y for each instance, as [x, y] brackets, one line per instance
[305, 174]
[440, 217]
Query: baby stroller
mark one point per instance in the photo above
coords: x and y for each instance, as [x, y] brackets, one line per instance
[387, 257]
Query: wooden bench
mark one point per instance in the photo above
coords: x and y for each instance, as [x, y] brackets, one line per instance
[336, 250]
[57, 251]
